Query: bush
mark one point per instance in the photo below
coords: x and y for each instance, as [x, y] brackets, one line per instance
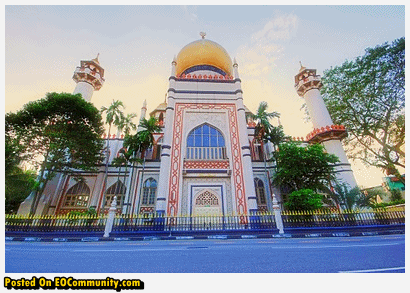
[304, 200]
[395, 195]
[386, 204]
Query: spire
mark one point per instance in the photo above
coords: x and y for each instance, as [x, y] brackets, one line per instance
[174, 61]
[144, 105]
[301, 67]
[234, 62]
[202, 34]
[96, 59]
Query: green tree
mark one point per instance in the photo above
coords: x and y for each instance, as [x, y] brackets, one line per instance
[124, 157]
[308, 167]
[395, 195]
[127, 124]
[276, 136]
[262, 118]
[348, 199]
[144, 139]
[303, 200]
[367, 96]
[19, 184]
[114, 116]
[58, 133]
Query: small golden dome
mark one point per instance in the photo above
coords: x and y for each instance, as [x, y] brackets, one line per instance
[203, 52]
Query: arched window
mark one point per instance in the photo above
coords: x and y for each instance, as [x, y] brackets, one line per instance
[117, 189]
[205, 143]
[260, 192]
[148, 192]
[77, 196]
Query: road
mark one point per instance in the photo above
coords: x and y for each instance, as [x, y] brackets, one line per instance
[381, 254]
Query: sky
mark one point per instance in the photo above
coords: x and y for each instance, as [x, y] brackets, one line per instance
[44, 45]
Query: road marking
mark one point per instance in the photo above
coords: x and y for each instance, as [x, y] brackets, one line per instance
[128, 250]
[337, 246]
[373, 270]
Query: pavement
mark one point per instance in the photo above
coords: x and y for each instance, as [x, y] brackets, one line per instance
[289, 233]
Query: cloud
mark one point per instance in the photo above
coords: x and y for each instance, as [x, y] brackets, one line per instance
[191, 16]
[266, 45]
[280, 28]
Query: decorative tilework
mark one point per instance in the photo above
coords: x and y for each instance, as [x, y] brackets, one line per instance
[176, 161]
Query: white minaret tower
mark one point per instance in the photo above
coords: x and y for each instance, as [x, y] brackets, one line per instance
[89, 78]
[307, 85]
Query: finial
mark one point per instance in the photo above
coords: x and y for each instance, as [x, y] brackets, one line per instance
[301, 67]
[144, 105]
[174, 61]
[96, 59]
[234, 62]
[202, 34]
[165, 100]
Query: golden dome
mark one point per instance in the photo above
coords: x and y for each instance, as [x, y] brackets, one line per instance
[203, 52]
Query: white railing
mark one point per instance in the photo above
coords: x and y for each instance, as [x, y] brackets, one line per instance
[206, 153]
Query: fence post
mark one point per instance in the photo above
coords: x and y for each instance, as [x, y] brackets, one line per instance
[278, 217]
[111, 215]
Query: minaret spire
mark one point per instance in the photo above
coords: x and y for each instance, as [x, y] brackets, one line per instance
[307, 85]
[89, 77]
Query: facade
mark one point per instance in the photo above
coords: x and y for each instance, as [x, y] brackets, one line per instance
[205, 161]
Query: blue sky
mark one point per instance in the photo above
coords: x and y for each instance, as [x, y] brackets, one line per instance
[44, 44]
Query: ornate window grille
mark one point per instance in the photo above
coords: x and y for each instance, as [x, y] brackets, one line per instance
[207, 199]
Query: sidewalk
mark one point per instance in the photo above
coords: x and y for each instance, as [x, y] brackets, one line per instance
[191, 235]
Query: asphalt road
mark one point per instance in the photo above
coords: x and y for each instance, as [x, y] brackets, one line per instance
[378, 254]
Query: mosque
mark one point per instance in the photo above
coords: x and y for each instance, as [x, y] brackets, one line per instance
[206, 160]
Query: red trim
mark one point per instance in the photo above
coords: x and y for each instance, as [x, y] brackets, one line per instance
[176, 158]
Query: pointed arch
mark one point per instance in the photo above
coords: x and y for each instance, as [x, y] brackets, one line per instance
[117, 189]
[149, 190]
[77, 196]
[260, 192]
[205, 142]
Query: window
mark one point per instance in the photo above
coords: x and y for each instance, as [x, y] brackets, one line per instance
[148, 192]
[77, 196]
[205, 143]
[260, 192]
[207, 199]
[117, 189]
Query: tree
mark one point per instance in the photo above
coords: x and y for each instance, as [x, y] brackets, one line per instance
[304, 200]
[367, 97]
[59, 133]
[395, 195]
[276, 136]
[308, 167]
[19, 184]
[124, 157]
[126, 123]
[262, 118]
[114, 115]
[347, 198]
[144, 138]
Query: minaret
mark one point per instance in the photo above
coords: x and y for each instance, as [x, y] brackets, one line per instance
[307, 85]
[89, 77]
[162, 199]
[143, 114]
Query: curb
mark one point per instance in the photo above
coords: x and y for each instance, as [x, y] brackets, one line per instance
[202, 237]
